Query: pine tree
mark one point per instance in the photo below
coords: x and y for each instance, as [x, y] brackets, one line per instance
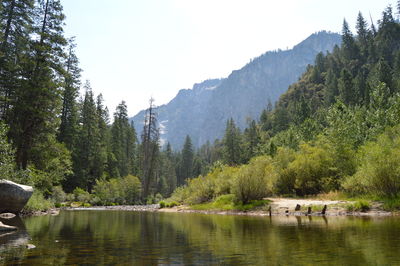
[349, 47]
[69, 115]
[251, 140]
[396, 72]
[149, 150]
[187, 161]
[363, 36]
[346, 88]
[87, 167]
[232, 144]
[169, 170]
[16, 16]
[331, 88]
[38, 100]
[123, 141]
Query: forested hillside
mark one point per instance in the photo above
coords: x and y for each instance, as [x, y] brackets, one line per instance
[336, 129]
[202, 111]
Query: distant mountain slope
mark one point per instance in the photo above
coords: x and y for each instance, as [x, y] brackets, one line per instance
[202, 112]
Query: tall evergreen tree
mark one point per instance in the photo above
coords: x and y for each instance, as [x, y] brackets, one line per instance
[123, 141]
[87, 167]
[363, 36]
[149, 151]
[331, 88]
[346, 88]
[69, 114]
[187, 161]
[232, 144]
[16, 18]
[38, 101]
[251, 140]
[349, 47]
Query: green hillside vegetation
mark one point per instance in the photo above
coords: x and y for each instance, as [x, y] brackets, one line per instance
[336, 129]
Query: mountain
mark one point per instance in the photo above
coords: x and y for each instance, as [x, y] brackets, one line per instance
[202, 112]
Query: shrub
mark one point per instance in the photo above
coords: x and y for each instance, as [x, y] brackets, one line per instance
[251, 180]
[58, 195]
[281, 181]
[162, 204]
[360, 205]
[311, 167]
[379, 170]
[124, 190]
[38, 203]
[158, 197]
[172, 204]
[81, 195]
[180, 194]
[202, 189]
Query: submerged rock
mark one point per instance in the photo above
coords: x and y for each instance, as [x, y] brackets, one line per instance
[30, 246]
[7, 215]
[13, 196]
[7, 228]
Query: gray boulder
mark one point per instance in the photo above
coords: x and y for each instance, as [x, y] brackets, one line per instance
[13, 196]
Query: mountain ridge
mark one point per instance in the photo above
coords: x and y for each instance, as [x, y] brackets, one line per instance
[201, 112]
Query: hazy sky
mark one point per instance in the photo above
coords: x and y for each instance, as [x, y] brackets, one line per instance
[134, 49]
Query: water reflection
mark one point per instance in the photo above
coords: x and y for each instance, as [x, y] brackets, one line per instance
[110, 237]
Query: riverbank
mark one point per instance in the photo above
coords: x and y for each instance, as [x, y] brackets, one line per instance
[287, 207]
[278, 206]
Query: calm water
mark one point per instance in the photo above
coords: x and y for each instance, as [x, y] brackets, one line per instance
[134, 238]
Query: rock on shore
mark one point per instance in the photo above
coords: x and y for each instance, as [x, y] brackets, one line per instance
[13, 196]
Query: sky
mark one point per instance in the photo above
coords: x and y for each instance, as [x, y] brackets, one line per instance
[132, 50]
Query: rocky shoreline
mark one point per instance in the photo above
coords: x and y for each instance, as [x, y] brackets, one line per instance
[279, 207]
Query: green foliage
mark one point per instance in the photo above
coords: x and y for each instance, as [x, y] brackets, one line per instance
[81, 195]
[379, 168]
[168, 204]
[391, 204]
[312, 168]
[232, 144]
[124, 190]
[251, 181]
[7, 167]
[37, 203]
[228, 203]
[360, 205]
[58, 195]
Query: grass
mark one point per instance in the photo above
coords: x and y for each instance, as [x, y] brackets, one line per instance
[168, 204]
[359, 205]
[391, 204]
[227, 203]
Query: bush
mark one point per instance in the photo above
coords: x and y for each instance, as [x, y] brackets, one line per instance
[162, 204]
[124, 190]
[281, 181]
[81, 195]
[251, 181]
[360, 205]
[58, 195]
[158, 197]
[172, 204]
[379, 170]
[311, 167]
[38, 203]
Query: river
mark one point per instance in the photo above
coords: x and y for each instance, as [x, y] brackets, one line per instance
[145, 238]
